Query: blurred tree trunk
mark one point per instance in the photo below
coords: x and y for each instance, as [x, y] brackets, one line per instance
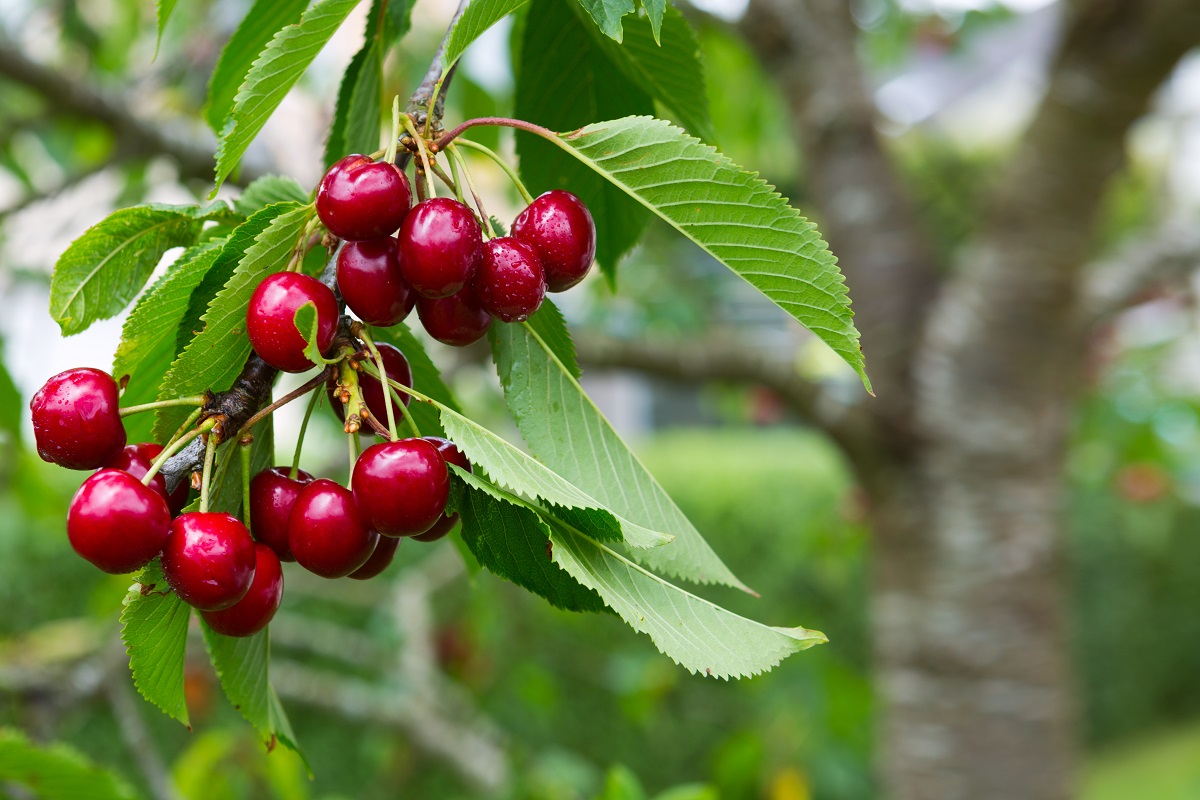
[976, 365]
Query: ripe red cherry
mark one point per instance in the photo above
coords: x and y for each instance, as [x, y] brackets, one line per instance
[440, 247]
[457, 320]
[327, 533]
[76, 422]
[510, 281]
[255, 611]
[561, 230]
[271, 319]
[209, 559]
[363, 199]
[458, 458]
[117, 523]
[401, 487]
[398, 370]
[136, 460]
[380, 560]
[272, 494]
[369, 277]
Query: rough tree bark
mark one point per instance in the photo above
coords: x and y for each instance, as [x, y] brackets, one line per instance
[962, 454]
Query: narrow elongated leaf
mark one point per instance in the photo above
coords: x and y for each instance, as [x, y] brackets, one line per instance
[213, 359]
[356, 115]
[243, 667]
[148, 338]
[698, 635]
[397, 19]
[479, 16]
[565, 81]
[608, 14]
[566, 430]
[732, 214]
[108, 265]
[154, 629]
[655, 10]
[511, 541]
[511, 469]
[268, 190]
[272, 76]
[427, 378]
[165, 9]
[264, 20]
[56, 772]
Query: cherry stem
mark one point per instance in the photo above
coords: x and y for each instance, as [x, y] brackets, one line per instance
[504, 165]
[312, 403]
[187, 424]
[422, 152]
[174, 448]
[466, 173]
[206, 479]
[404, 412]
[504, 122]
[361, 332]
[244, 451]
[178, 401]
[352, 439]
[458, 192]
[446, 179]
[390, 154]
[283, 401]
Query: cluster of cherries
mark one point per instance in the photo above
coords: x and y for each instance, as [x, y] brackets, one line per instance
[437, 262]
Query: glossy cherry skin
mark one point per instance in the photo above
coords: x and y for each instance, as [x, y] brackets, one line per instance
[458, 320]
[510, 281]
[209, 559]
[369, 277]
[76, 420]
[271, 319]
[381, 559]
[401, 487]
[398, 369]
[441, 245]
[136, 460]
[117, 523]
[363, 199]
[458, 458]
[255, 611]
[561, 230]
[327, 533]
[272, 495]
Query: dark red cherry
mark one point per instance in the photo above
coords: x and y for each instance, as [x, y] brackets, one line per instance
[401, 487]
[117, 523]
[453, 456]
[209, 559]
[271, 319]
[457, 320]
[381, 559]
[363, 199]
[369, 277]
[272, 494]
[76, 422]
[136, 460]
[327, 533]
[398, 370]
[510, 282]
[255, 611]
[561, 230]
[440, 247]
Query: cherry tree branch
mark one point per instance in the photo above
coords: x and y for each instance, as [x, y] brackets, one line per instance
[1169, 254]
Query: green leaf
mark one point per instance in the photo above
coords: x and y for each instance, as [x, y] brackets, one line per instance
[569, 434]
[511, 469]
[698, 635]
[565, 81]
[549, 326]
[655, 10]
[608, 14]
[214, 358]
[265, 18]
[150, 332]
[479, 16]
[356, 116]
[305, 320]
[105, 268]
[732, 214]
[511, 540]
[268, 190]
[397, 19]
[165, 9]
[272, 76]
[56, 771]
[154, 629]
[243, 667]
[11, 407]
[427, 378]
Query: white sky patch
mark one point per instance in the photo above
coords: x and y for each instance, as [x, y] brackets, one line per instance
[486, 60]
